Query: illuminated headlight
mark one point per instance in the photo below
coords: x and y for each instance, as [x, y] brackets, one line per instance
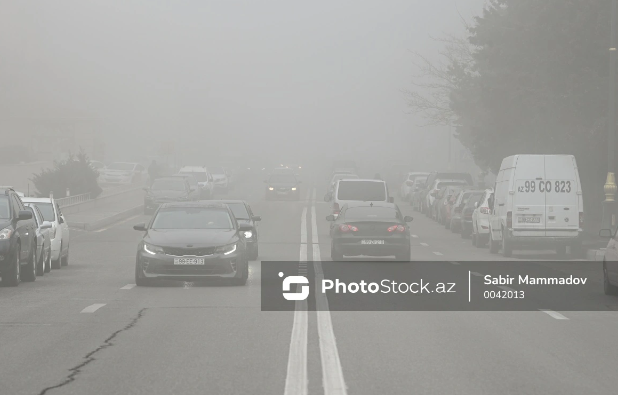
[271, 188]
[5, 233]
[152, 250]
[226, 250]
[248, 234]
[294, 188]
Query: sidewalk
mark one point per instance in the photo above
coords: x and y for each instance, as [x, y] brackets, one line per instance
[106, 214]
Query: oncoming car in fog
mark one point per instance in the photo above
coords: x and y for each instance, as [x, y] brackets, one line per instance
[191, 241]
[373, 229]
[166, 190]
[243, 214]
[282, 186]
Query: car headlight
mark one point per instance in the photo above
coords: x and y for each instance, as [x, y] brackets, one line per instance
[248, 234]
[5, 233]
[152, 250]
[294, 188]
[271, 188]
[226, 250]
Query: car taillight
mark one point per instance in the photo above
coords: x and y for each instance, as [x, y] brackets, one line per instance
[581, 219]
[484, 210]
[509, 219]
[396, 228]
[335, 208]
[348, 228]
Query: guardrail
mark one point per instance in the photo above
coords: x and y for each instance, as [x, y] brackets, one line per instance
[71, 200]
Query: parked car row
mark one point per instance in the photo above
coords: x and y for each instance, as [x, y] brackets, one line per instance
[34, 237]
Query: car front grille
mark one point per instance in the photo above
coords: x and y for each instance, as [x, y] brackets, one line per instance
[189, 251]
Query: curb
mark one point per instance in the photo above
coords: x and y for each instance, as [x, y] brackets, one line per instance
[109, 220]
[595, 255]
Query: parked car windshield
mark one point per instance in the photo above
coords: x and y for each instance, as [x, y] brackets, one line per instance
[361, 190]
[47, 210]
[192, 218]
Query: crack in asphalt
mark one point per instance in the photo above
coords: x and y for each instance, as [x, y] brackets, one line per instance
[90, 356]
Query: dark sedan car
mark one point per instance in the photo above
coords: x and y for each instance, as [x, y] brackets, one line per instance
[165, 190]
[192, 241]
[375, 229]
[282, 186]
[244, 216]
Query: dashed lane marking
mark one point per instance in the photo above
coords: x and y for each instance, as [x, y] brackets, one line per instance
[454, 263]
[414, 236]
[554, 314]
[425, 244]
[128, 286]
[437, 253]
[93, 307]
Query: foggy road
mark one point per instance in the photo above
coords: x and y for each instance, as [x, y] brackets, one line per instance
[88, 329]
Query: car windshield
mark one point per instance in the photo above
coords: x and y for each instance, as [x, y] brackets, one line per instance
[239, 210]
[361, 190]
[5, 210]
[168, 185]
[47, 210]
[370, 212]
[199, 176]
[282, 179]
[192, 218]
[121, 166]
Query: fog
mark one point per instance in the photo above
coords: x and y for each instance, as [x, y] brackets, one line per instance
[265, 78]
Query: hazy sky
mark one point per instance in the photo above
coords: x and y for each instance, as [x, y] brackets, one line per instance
[312, 74]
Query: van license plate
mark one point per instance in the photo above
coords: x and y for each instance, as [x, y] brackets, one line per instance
[188, 261]
[372, 241]
[529, 220]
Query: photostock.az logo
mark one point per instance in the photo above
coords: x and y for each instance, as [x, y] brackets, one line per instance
[287, 283]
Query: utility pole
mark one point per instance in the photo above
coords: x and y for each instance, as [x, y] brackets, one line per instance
[609, 216]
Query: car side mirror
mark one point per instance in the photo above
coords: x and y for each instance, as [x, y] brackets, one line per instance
[24, 214]
[245, 228]
[607, 233]
[407, 218]
[256, 218]
[328, 197]
[140, 227]
[60, 219]
[391, 199]
[46, 225]
[330, 217]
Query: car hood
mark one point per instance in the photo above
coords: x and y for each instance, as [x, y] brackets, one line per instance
[167, 193]
[4, 223]
[196, 237]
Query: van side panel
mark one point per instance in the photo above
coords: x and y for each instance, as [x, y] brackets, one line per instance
[562, 197]
[528, 198]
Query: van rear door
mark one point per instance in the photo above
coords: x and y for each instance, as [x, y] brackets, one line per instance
[562, 199]
[529, 195]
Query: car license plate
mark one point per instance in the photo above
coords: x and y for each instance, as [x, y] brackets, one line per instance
[529, 220]
[188, 261]
[372, 241]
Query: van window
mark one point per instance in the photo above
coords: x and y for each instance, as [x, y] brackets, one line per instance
[361, 190]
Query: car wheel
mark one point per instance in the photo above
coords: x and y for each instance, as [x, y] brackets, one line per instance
[254, 253]
[11, 277]
[334, 254]
[140, 279]
[561, 251]
[608, 288]
[56, 262]
[65, 259]
[242, 279]
[40, 265]
[29, 273]
[493, 245]
[48, 261]
[507, 248]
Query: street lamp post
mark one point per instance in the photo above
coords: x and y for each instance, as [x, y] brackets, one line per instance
[609, 216]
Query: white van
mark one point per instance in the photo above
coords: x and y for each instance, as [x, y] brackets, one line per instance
[537, 200]
[354, 190]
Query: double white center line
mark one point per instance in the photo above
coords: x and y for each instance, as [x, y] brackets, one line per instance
[332, 374]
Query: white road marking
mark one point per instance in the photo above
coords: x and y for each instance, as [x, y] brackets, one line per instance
[437, 253]
[476, 274]
[93, 307]
[454, 263]
[313, 195]
[314, 226]
[187, 285]
[116, 223]
[554, 314]
[505, 288]
[128, 286]
[425, 244]
[414, 236]
[303, 227]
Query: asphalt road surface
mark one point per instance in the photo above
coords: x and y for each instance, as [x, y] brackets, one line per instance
[86, 329]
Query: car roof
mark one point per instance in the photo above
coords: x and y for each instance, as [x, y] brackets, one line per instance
[180, 176]
[36, 200]
[227, 201]
[193, 169]
[199, 203]
[175, 176]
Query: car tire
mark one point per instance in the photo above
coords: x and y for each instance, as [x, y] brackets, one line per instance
[48, 262]
[608, 288]
[254, 253]
[561, 251]
[12, 276]
[242, 280]
[494, 247]
[40, 265]
[140, 280]
[65, 259]
[29, 273]
[56, 262]
[507, 247]
[334, 254]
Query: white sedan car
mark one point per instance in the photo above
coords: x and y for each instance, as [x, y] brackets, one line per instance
[122, 173]
[407, 186]
[480, 220]
[59, 230]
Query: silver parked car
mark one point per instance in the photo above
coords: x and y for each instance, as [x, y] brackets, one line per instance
[43, 231]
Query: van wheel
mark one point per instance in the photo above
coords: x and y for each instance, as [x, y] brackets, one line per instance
[507, 248]
[334, 254]
[561, 251]
[493, 245]
[608, 288]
